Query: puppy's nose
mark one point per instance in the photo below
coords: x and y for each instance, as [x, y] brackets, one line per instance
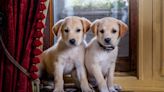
[72, 41]
[107, 40]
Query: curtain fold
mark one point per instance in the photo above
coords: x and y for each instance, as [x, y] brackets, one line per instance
[21, 17]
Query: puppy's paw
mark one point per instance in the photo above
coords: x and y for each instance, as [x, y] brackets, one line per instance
[104, 89]
[117, 87]
[112, 89]
[58, 90]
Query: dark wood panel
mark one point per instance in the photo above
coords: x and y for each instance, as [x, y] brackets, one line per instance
[133, 27]
[123, 64]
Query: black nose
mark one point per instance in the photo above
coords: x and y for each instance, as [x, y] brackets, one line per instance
[72, 41]
[107, 40]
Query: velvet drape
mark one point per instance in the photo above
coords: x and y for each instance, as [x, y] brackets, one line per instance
[18, 38]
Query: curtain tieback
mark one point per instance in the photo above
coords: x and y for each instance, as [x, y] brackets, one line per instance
[13, 61]
[35, 82]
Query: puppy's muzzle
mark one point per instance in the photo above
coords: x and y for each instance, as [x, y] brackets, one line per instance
[107, 40]
[72, 41]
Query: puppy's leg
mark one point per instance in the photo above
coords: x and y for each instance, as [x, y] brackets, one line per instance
[58, 77]
[99, 78]
[110, 78]
[81, 74]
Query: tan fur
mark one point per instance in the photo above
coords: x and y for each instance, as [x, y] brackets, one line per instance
[63, 57]
[99, 62]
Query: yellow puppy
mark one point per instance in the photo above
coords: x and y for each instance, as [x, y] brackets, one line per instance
[68, 53]
[102, 51]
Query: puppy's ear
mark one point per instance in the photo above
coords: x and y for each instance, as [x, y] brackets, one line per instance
[94, 26]
[122, 28]
[86, 24]
[57, 27]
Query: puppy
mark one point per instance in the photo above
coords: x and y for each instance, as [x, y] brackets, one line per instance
[102, 51]
[68, 53]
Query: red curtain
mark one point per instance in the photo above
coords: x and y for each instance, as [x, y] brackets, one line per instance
[22, 25]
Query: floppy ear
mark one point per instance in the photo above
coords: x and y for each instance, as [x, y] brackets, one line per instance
[122, 28]
[86, 24]
[57, 27]
[94, 26]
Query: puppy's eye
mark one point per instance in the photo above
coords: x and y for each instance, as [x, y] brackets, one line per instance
[114, 31]
[78, 30]
[102, 31]
[66, 30]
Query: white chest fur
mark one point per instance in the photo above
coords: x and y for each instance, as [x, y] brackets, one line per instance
[105, 58]
[70, 58]
[95, 55]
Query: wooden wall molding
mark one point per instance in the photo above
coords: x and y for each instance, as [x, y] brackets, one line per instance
[162, 53]
[156, 38]
[145, 39]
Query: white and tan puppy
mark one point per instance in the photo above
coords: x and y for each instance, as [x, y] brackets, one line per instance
[102, 51]
[68, 53]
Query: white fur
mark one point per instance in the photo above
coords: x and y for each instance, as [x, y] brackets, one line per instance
[99, 61]
[64, 58]
[95, 59]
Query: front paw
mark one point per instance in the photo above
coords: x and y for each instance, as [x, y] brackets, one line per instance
[104, 90]
[58, 90]
[117, 87]
[112, 89]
